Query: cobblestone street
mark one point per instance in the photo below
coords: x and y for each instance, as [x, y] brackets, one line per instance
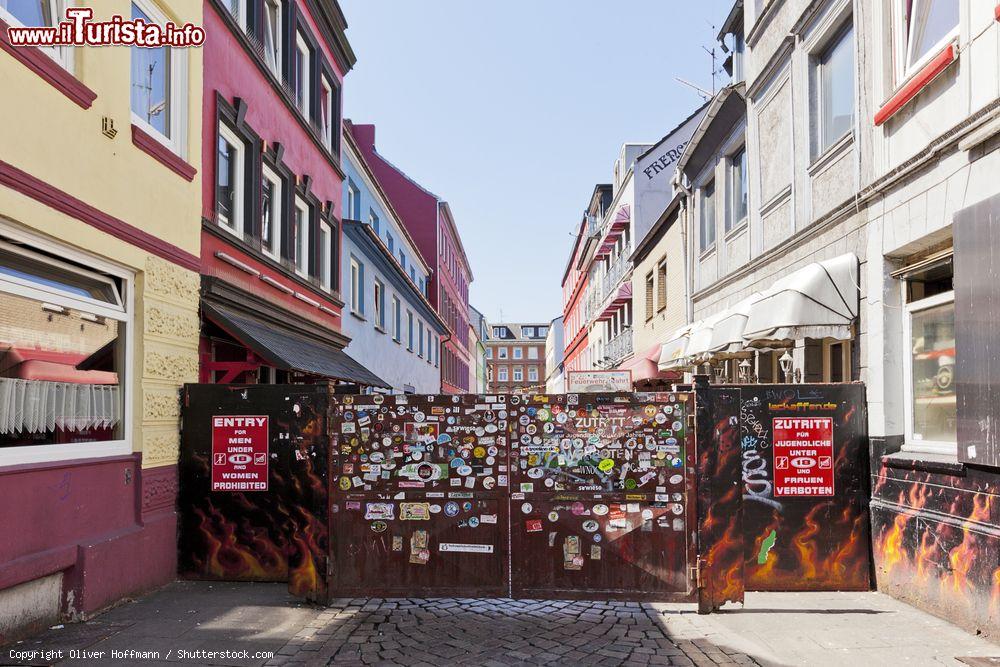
[772, 629]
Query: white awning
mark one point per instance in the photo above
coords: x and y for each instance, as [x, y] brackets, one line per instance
[817, 301]
[727, 334]
[699, 345]
[674, 351]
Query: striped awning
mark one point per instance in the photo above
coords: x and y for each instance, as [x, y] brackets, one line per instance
[624, 296]
[615, 230]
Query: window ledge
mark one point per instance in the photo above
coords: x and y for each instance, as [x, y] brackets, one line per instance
[379, 329]
[834, 152]
[148, 144]
[706, 252]
[48, 69]
[740, 227]
[358, 315]
[917, 82]
[925, 462]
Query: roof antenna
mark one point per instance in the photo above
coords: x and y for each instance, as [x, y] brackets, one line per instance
[715, 71]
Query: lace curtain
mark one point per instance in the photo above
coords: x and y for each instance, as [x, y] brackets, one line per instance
[36, 406]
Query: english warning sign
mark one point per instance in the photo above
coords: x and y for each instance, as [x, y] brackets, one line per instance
[803, 456]
[239, 453]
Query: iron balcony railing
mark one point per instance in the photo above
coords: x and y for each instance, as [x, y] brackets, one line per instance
[620, 346]
[619, 267]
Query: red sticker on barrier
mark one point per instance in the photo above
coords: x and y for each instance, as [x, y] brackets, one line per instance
[803, 456]
[239, 453]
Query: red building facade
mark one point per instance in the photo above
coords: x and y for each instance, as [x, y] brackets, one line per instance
[272, 182]
[429, 221]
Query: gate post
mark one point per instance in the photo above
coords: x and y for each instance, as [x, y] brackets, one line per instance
[719, 565]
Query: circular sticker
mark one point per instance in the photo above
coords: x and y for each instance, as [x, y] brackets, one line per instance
[464, 470]
[597, 537]
[344, 483]
[526, 508]
[549, 481]
[677, 508]
[491, 428]
[562, 417]
[489, 483]
[492, 451]
[377, 399]
[473, 521]
[467, 506]
[416, 456]
[677, 497]
[553, 516]
[490, 460]
[676, 479]
[451, 508]
[379, 526]
[677, 426]
[536, 473]
[435, 509]
[630, 483]
[606, 465]
[456, 462]
[426, 471]
[376, 457]
[647, 514]
[524, 420]
[599, 509]
[591, 526]
[418, 416]
[479, 452]
[660, 418]
[578, 508]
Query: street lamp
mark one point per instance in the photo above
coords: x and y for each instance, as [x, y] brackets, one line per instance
[745, 367]
[786, 366]
[720, 372]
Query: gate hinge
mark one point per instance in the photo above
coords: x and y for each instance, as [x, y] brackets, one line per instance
[691, 422]
[696, 572]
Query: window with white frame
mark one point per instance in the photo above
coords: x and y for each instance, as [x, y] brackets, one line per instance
[420, 338]
[501, 374]
[159, 85]
[270, 212]
[409, 331]
[501, 353]
[835, 90]
[357, 287]
[374, 221]
[389, 242]
[518, 353]
[326, 110]
[929, 366]
[230, 170]
[397, 328]
[532, 373]
[300, 237]
[65, 388]
[272, 35]
[303, 73]
[325, 254]
[378, 297]
[707, 215]
[737, 200]
[40, 14]
[532, 352]
[489, 353]
[353, 200]
[926, 27]
[518, 374]
[437, 351]
[238, 10]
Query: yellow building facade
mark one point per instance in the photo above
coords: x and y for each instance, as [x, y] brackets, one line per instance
[99, 254]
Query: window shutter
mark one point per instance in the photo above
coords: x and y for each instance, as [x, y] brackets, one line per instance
[649, 295]
[661, 291]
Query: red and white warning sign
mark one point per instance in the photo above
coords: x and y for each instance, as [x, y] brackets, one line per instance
[239, 453]
[803, 456]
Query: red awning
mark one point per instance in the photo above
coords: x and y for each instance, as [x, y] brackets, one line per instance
[618, 225]
[624, 296]
[50, 365]
[644, 366]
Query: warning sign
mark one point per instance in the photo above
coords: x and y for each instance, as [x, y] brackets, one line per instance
[239, 453]
[803, 456]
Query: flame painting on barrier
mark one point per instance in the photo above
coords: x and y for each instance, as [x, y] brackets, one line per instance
[818, 541]
[275, 535]
[937, 540]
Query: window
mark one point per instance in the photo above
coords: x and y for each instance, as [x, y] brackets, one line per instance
[928, 24]
[413, 274]
[518, 374]
[397, 328]
[229, 179]
[58, 312]
[402, 260]
[326, 110]
[661, 284]
[390, 242]
[378, 294]
[238, 9]
[409, 331]
[430, 349]
[708, 215]
[737, 204]
[649, 296]
[272, 35]
[270, 212]
[158, 85]
[499, 332]
[532, 352]
[437, 351]
[518, 353]
[38, 13]
[501, 353]
[357, 287]
[528, 332]
[353, 201]
[325, 254]
[300, 237]
[373, 221]
[532, 373]
[489, 353]
[930, 368]
[835, 95]
[420, 285]
[302, 73]
[420, 338]
[542, 331]
[501, 374]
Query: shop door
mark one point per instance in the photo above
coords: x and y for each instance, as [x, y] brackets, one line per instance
[602, 496]
[419, 496]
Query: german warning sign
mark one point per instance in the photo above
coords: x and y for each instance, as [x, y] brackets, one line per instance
[239, 453]
[803, 456]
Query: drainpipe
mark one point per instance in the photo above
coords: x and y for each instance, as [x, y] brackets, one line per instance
[678, 182]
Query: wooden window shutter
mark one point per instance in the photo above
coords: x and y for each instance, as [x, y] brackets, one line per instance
[661, 286]
[649, 295]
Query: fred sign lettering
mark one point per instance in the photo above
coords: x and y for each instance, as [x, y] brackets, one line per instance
[803, 456]
[239, 453]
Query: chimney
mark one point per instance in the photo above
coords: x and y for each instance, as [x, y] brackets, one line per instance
[364, 135]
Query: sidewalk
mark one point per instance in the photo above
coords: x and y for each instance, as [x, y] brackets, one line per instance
[253, 620]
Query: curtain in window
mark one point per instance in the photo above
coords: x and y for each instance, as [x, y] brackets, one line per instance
[37, 406]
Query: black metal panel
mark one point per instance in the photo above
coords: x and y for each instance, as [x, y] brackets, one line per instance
[977, 334]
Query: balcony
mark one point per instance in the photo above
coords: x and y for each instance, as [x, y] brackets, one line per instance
[618, 268]
[619, 347]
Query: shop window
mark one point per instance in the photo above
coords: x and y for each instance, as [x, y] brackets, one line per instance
[230, 170]
[929, 369]
[270, 212]
[927, 26]
[737, 201]
[835, 90]
[63, 357]
[272, 35]
[158, 85]
[707, 216]
[38, 13]
[300, 237]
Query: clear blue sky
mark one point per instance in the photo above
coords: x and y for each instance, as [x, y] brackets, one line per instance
[512, 110]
